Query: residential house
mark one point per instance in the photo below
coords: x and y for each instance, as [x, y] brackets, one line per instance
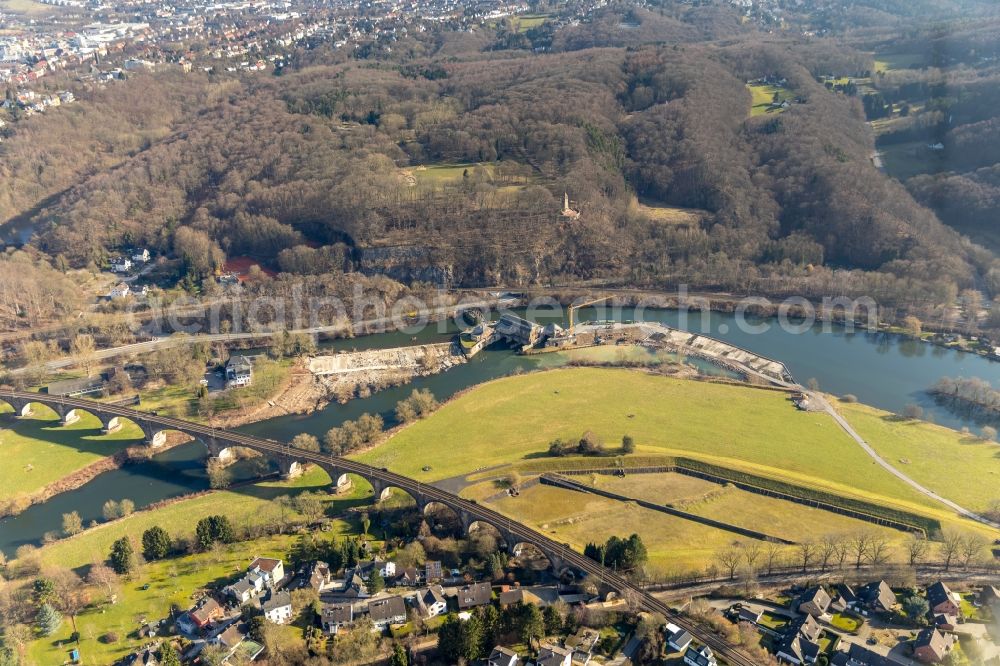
[945, 622]
[582, 643]
[432, 571]
[517, 595]
[942, 600]
[121, 264]
[553, 655]
[336, 616]
[120, 290]
[408, 576]
[239, 372]
[140, 255]
[815, 601]
[877, 597]
[501, 656]
[355, 587]
[387, 569]
[701, 656]
[383, 612]
[319, 576]
[477, 594]
[263, 573]
[800, 644]
[747, 614]
[989, 595]
[858, 655]
[278, 607]
[205, 612]
[272, 569]
[678, 640]
[432, 601]
[931, 646]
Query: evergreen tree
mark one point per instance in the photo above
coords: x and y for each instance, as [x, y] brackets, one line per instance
[123, 556]
[166, 656]
[48, 620]
[43, 590]
[155, 543]
[376, 582]
[553, 620]
[399, 657]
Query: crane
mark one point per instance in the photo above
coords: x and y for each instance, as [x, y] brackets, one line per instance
[577, 306]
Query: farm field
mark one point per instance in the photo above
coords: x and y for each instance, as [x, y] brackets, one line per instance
[38, 451]
[763, 96]
[567, 516]
[971, 476]
[510, 421]
[728, 504]
[909, 159]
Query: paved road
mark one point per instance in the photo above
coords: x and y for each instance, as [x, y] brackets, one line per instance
[821, 399]
[178, 340]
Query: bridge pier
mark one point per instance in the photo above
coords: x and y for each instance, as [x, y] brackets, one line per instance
[157, 439]
[22, 408]
[69, 417]
[342, 482]
[114, 424]
[290, 468]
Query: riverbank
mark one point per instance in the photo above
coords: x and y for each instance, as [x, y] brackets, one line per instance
[77, 479]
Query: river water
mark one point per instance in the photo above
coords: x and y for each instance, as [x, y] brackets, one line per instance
[883, 370]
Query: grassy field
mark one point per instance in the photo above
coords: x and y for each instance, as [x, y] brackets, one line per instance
[671, 215]
[176, 581]
[511, 420]
[452, 174]
[38, 451]
[526, 22]
[912, 158]
[244, 506]
[960, 467]
[29, 8]
[674, 544]
[763, 95]
[886, 62]
[775, 517]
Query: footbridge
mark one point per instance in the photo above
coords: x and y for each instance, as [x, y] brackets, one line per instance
[512, 534]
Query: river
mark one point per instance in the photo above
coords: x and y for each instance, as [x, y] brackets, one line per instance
[883, 370]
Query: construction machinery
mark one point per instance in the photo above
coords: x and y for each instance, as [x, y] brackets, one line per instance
[577, 306]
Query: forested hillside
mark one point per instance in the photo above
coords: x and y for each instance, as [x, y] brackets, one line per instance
[447, 161]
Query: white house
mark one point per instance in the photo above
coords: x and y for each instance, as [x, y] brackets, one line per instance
[432, 601]
[141, 255]
[120, 290]
[121, 265]
[387, 569]
[239, 372]
[278, 607]
[271, 568]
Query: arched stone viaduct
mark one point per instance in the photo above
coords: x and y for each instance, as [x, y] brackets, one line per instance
[220, 444]
[512, 534]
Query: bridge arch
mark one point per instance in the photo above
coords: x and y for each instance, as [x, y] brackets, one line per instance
[477, 527]
[395, 496]
[532, 557]
[444, 519]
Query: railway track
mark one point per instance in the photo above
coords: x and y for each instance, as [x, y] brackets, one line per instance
[623, 586]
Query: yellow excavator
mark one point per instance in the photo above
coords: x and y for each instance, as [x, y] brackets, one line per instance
[577, 306]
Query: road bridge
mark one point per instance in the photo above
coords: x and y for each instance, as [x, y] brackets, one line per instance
[512, 534]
